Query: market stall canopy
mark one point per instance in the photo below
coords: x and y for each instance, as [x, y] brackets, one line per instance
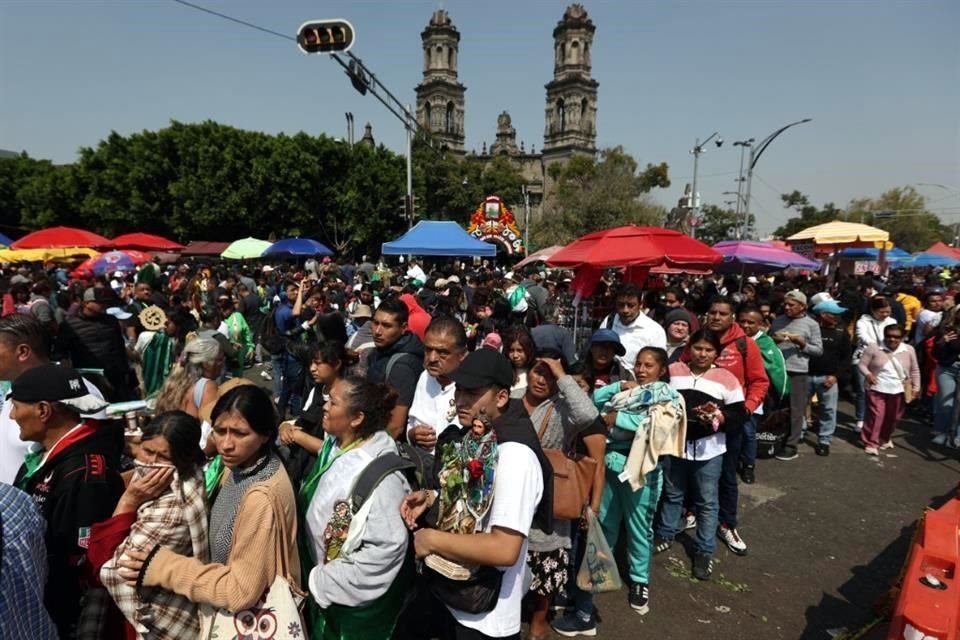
[438, 238]
[633, 246]
[115, 261]
[145, 242]
[40, 255]
[245, 248]
[538, 256]
[204, 248]
[297, 247]
[60, 237]
[942, 249]
[754, 256]
[926, 260]
[841, 233]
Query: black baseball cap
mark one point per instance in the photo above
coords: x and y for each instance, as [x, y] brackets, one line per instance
[484, 368]
[55, 383]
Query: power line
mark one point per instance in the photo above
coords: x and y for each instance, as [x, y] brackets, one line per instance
[237, 20]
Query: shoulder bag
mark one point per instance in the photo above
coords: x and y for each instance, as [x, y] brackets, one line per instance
[904, 378]
[572, 477]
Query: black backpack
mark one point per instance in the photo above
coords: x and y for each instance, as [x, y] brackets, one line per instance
[270, 337]
[407, 461]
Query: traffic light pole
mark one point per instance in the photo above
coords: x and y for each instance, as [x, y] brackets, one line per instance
[410, 211]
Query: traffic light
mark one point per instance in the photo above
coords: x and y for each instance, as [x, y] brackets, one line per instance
[325, 36]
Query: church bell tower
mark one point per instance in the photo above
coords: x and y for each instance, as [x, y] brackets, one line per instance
[440, 95]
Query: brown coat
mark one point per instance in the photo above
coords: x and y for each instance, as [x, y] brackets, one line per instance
[264, 545]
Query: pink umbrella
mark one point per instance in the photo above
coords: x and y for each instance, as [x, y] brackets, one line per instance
[752, 256]
[538, 256]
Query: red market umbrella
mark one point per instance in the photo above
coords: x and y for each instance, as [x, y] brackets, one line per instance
[633, 246]
[538, 256]
[55, 237]
[145, 242]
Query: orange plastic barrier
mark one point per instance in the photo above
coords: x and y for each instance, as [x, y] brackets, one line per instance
[929, 604]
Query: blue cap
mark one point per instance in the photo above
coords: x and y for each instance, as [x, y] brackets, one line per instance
[829, 306]
[608, 336]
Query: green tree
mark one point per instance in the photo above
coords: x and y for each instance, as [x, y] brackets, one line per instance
[808, 215]
[593, 194]
[903, 213]
[718, 224]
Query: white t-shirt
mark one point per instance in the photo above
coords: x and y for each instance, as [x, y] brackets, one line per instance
[516, 494]
[12, 449]
[927, 318]
[642, 332]
[432, 405]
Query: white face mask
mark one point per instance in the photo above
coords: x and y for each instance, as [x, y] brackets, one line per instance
[141, 469]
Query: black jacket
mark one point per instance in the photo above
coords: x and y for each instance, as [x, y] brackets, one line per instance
[76, 487]
[97, 343]
[836, 353]
[405, 371]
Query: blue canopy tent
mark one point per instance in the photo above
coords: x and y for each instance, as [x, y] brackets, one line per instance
[857, 253]
[438, 238]
[297, 247]
[926, 260]
[5, 241]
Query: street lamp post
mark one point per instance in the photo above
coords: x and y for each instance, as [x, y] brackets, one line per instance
[757, 151]
[946, 187]
[743, 144]
[695, 205]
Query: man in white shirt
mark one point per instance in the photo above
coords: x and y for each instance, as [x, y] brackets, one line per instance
[433, 408]
[635, 328]
[522, 492]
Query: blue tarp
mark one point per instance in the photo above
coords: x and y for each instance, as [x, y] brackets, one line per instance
[854, 253]
[926, 260]
[5, 241]
[438, 238]
[297, 247]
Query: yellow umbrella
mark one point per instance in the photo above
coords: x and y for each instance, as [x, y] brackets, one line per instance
[40, 255]
[839, 232]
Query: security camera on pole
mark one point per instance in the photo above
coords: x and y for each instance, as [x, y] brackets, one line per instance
[694, 219]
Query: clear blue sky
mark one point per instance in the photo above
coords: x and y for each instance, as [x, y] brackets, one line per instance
[880, 79]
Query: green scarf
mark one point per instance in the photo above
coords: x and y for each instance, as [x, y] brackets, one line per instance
[157, 361]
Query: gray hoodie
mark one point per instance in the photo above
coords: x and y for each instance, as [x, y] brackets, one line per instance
[797, 360]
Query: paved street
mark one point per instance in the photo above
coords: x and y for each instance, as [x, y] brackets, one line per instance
[826, 537]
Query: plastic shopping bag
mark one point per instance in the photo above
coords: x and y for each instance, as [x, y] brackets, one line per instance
[598, 570]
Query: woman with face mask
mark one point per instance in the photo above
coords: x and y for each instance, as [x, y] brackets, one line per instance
[164, 504]
[253, 520]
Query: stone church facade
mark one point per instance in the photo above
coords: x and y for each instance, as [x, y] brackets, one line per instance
[570, 113]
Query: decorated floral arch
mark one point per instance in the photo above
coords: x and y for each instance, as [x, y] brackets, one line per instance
[494, 222]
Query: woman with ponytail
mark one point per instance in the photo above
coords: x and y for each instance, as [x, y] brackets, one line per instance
[354, 564]
[193, 382]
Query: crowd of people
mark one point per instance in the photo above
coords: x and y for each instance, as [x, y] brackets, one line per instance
[341, 451]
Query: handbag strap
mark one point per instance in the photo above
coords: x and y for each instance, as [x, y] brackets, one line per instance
[897, 367]
[545, 421]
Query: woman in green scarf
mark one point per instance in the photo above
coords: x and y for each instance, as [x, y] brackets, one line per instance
[357, 567]
[159, 345]
[240, 334]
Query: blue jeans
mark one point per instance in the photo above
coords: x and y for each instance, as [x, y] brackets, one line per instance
[729, 488]
[701, 477]
[288, 383]
[582, 600]
[748, 450]
[947, 405]
[826, 412]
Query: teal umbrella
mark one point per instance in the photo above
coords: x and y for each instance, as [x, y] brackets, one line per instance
[245, 248]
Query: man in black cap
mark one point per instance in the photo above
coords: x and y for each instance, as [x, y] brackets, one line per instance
[523, 492]
[93, 339]
[71, 474]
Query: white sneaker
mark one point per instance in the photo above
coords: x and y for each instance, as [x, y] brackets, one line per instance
[887, 445]
[939, 439]
[859, 426]
[690, 521]
[733, 540]
[871, 451]
[956, 442]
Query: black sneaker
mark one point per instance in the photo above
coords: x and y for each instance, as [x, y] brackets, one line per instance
[562, 601]
[639, 597]
[823, 450]
[661, 544]
[702, 566]
[748, 475]
[788, 453]
[573, 625]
